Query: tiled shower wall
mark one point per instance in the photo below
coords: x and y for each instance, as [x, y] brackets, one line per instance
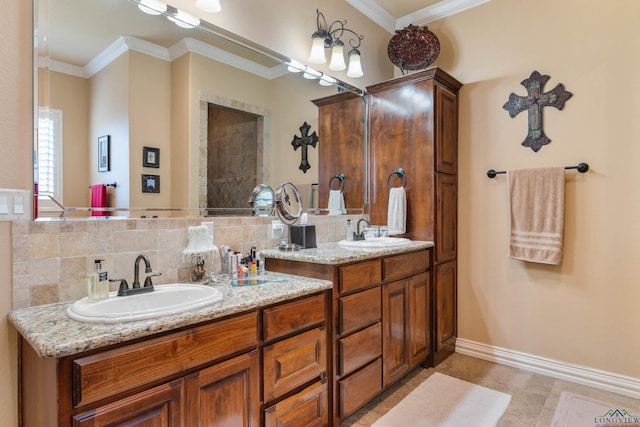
[51, 259]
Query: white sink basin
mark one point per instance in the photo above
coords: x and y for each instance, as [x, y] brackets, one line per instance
[164, 300]
[375, 242]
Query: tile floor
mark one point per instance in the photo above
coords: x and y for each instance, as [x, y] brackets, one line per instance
[533, 397]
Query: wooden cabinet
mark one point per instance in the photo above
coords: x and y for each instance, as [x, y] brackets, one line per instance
[225, 394]
[381, 323]
[206, 375]
[341, 148]
[295, 356]
[413, 124]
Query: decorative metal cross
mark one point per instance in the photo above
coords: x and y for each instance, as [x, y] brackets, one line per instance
[304, 142]
[535, 100]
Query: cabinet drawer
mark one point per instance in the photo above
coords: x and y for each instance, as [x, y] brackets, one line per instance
[358, 310]
[293, 362]
[358, 389]
[399, 266]
[108, 373]
[358, 276]
[306, 408]
[360, 348]
[286, 318]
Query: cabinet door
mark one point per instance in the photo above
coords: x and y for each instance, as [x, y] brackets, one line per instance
[446, 311]
[395, 304]
[419, 336]
[158, 407]
[446, 130]
[226, 394]
[447, 217]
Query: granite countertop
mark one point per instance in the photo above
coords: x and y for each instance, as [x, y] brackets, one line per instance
[52, 334]
[333, 253]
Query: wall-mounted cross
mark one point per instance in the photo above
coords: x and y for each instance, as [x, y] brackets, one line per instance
[535, 100]
[304, 141]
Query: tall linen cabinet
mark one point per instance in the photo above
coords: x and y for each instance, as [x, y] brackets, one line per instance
[413, 125]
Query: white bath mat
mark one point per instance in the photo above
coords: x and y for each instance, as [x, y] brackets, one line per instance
[445, 401]
[577, 410]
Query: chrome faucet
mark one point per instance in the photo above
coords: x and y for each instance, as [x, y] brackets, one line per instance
[136, 272]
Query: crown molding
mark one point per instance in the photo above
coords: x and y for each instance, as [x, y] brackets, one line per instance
[376, 13]
[440, 10]
[437, 11]
[126, 43]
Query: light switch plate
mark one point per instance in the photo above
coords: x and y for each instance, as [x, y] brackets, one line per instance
[15, 205]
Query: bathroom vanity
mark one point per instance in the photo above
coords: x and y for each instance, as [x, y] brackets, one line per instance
[258, 357]
[381, 314]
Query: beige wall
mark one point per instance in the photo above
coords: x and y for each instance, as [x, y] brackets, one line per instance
[71, 95]
[16, 170]
[149, 126]
[110, 108]
[584, 311]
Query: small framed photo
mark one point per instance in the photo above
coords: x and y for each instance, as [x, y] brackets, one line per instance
[150, 183]
[104, 158]
[150, 157]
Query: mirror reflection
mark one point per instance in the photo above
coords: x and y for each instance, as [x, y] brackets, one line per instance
[218, 117]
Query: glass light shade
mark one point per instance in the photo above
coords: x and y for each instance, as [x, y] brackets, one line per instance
[294, 66]
[184, 20]
[211, 6]
[152, 7]
[310, 74]
[317, 51]
[327, 80]
[337, 58]
[355, 67]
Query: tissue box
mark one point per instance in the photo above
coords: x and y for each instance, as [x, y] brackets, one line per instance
[304, 235]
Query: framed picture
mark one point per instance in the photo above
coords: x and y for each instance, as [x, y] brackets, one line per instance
[150, 183]
[150, 157]
[104, 158]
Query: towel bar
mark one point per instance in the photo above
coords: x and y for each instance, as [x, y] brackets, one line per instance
[582, 168]
[114, 185]
[400, 173]
[339, 177]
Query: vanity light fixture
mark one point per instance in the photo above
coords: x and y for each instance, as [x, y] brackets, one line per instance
[311, 74]
[330, 37]
[211, 6]
[327, 80]
[152, 7]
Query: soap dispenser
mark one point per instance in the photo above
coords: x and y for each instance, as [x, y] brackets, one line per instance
[97, 283]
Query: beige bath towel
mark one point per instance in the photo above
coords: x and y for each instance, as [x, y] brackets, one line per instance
[397, 211]
[536, 198]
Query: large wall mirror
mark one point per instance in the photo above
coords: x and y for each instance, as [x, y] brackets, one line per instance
[166, 117]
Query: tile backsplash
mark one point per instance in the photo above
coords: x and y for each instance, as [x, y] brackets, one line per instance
[51, 259]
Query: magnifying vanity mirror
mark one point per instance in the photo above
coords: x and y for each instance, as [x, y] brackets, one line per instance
[262, 200]
[217, 114]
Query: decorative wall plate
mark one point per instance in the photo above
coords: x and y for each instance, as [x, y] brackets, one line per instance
[413, 48]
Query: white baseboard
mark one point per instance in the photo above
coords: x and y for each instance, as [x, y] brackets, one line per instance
[609, 381]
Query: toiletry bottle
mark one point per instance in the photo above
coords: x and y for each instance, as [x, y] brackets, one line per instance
[103, 280]
[97, 283]
[348, 231]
